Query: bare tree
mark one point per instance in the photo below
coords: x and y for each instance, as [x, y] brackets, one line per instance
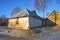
[15, 10]
[47, 14]
[3, 16]
[3, 20]
[41, 5]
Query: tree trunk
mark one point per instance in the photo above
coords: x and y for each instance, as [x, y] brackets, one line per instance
[42, 17]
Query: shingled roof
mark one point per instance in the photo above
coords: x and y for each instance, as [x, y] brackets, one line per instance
[24, 13]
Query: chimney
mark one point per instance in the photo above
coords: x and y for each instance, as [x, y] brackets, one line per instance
[34, 12]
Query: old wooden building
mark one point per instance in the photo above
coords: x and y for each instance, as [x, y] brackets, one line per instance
[54, 17]
[25, 19]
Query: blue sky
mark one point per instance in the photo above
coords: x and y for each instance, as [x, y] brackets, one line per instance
[6, 6]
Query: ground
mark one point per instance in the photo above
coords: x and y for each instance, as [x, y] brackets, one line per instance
[45, 33]
[6, 37]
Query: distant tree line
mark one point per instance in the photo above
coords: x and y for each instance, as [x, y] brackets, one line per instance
[3, 20]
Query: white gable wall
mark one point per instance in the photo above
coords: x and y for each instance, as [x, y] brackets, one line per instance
[35, 22]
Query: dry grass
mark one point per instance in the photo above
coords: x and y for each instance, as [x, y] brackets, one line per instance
[56, 27]
[35, 33]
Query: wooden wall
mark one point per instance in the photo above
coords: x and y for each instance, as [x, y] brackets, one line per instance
[55, 17]
[58, 21]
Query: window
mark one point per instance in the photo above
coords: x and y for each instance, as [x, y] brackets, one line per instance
[17, 21]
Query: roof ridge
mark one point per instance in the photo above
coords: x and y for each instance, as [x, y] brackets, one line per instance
[24, 12]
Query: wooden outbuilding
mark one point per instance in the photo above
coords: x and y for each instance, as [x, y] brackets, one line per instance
[54, 17]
